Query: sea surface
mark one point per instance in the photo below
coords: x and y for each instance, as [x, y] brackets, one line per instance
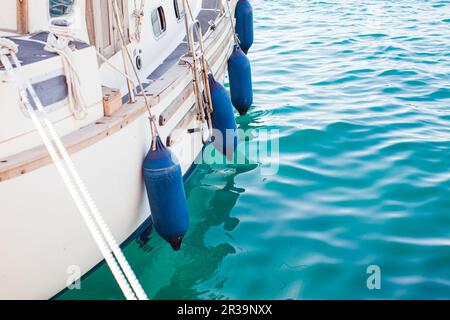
[359, 92]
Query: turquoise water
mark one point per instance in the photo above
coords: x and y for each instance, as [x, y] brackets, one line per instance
[360, 91]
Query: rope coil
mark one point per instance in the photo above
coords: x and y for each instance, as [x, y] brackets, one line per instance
[8, 46]
[138, 14]
[58, 41]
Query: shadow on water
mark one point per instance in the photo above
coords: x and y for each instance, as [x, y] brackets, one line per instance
[212, 195]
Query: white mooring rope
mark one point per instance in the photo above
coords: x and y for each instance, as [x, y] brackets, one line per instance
[118, 264]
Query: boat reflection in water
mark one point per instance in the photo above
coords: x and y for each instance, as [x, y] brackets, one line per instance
[211, 220]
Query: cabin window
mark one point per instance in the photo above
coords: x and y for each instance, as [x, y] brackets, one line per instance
[179, 9]
[58, 8]
[158, 22]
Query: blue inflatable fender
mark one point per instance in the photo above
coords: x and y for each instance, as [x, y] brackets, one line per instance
[241, 86]
[165, 190]
[224, 137]
[244, 24]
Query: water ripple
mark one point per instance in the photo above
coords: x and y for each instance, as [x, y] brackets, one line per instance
[360, 95]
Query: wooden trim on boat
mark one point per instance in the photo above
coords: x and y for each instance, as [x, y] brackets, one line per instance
[90, 24]
[22, 16]
[172, 109]
[33, 159]
[12, 31]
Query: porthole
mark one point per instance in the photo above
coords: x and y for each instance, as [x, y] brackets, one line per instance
[179, 9]
[58, 8]
[158, 21]
[139, 62]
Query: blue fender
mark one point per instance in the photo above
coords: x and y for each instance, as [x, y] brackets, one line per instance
[241, 86]
[224, 137]
[165, 190]
[244, 24]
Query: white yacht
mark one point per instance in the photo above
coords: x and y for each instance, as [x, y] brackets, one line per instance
[97, 68]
